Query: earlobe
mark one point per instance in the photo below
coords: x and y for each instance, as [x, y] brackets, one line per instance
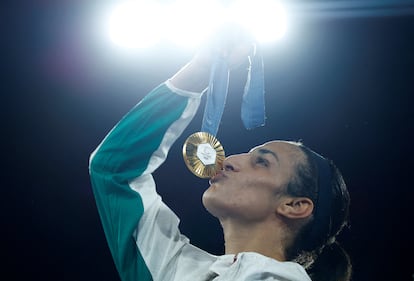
[296, 207]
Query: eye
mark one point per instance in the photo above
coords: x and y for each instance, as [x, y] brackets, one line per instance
[262, 161]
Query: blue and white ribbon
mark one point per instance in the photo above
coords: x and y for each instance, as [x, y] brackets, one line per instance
[253, 103]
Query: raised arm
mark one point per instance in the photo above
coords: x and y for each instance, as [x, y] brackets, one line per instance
[134, 148]
[136, 223]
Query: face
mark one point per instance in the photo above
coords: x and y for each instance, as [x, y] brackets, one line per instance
[251, 184]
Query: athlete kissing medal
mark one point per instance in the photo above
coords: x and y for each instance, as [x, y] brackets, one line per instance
[203, 154]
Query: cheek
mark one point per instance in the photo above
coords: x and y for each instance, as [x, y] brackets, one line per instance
[251, 203]
[257, 197]
[254, 203]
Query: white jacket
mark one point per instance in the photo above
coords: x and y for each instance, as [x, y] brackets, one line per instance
[142, 232]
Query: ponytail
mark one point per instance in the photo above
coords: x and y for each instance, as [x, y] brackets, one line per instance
[331, 264]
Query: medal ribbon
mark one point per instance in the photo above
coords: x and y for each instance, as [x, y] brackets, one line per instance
[253, 102]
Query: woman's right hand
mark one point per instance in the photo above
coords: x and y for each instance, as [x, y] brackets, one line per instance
[231, 42]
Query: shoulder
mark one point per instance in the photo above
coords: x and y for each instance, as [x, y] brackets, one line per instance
[254, 266]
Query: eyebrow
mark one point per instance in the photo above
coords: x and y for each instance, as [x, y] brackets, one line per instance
[267, 151]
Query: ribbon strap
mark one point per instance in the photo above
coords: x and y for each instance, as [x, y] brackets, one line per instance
[216, 95]
[253, 103]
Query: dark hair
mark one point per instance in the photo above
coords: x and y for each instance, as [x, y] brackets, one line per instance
[322, 256]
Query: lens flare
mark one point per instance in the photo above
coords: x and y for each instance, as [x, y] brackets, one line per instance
[190, 22]
[265, 19]
[135, 24]
[141, 24]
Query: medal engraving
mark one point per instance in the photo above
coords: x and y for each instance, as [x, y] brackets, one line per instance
[203, 154]
[206, 154]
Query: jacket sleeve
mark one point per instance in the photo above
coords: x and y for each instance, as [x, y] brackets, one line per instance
[122, 164]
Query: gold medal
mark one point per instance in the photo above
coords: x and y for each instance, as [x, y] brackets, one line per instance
[203, 154]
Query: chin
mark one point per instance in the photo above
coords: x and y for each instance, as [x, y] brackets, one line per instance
[209, 201]
[214, 203]
[205, 197]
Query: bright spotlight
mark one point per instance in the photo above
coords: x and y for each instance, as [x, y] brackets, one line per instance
[134, 25]
[143, 23]
[265, 19]
[192, 21]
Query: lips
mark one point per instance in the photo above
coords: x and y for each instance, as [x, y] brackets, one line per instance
[220, 175]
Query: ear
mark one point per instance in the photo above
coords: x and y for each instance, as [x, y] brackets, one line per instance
[295, 207]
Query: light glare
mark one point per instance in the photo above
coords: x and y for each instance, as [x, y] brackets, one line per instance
[265, 19]
[143, 23]
[133, 25]
[192, 21]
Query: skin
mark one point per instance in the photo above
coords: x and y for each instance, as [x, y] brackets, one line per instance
[248, 198]
[247, 195]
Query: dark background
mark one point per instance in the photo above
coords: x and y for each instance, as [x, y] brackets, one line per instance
[341, 83]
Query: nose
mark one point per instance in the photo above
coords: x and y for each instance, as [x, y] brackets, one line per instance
[233, 163]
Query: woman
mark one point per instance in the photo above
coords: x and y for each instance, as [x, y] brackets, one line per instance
[280, 205]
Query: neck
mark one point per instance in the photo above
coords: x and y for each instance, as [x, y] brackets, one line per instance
[263, 238]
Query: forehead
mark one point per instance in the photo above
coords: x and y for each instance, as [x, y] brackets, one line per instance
[283, 150]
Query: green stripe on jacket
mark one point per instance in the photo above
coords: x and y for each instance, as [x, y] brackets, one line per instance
[123, 156]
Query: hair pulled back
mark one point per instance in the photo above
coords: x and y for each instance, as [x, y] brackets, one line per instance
[323, 257]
